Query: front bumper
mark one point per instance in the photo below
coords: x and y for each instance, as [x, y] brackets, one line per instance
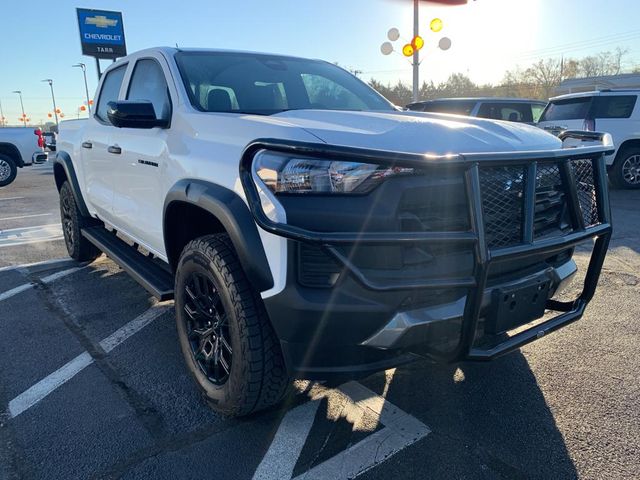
[364, 322]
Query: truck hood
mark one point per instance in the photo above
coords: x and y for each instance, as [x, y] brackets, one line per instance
[417, 132]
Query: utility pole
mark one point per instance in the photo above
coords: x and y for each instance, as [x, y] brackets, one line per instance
[1, 115]
[50, 82]
[24, 117]
[416, 52]
[86, 88]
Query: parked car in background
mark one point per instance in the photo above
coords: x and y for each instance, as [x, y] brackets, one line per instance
[613, 111]
[19, 147]
[49, 141]
[495, 108]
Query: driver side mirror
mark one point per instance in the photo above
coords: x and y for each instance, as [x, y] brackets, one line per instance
[134, 114]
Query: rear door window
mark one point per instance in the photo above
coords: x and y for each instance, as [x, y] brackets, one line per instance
[614, 106]
[570, 109]
[456, 107]
[513, 112]
[110, 91]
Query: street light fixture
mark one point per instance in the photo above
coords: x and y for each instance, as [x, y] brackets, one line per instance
[86, 89]
[50, 82]
[24, 117]
[413, 48]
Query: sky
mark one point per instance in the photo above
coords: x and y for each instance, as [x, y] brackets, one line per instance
[40, 39]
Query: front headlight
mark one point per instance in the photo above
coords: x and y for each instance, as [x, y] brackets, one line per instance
[294, 174]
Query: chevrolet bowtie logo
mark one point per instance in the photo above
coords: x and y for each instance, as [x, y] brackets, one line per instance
[101, 21]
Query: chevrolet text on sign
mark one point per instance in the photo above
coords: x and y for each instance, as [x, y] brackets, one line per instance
[101, 33]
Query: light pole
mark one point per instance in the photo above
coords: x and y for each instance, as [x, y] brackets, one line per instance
[50, 82]
[413, 48]
[86, 88]
[416, 52]
[24, 117]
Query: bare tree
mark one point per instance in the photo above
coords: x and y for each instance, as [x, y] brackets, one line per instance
[545, 74]
[604, 63]
[537, 81]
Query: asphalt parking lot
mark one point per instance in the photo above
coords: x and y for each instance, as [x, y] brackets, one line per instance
[93, 385]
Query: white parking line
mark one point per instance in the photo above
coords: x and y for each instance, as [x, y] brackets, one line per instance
[11, 198]
[44, 387]
[27, 216]
[48, 279]
[134, 326]
[287, 444]
[400, 430]
[27, 235]
[25, 266]
[15, 291]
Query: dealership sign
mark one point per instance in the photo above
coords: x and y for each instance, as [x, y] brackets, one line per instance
[101, 33]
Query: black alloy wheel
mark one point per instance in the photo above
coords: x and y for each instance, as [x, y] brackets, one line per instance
[78, 247]
[66, 211]
[208, 328]
[229, 345]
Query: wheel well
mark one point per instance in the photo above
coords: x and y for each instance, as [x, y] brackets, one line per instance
[12, 152]
[184, 222]
[633, 143]
[59, 174]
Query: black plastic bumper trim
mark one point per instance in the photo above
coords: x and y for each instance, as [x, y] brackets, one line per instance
[529, 335]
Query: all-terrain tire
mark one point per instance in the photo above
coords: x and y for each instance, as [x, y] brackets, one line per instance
[8, 170]
[622, 174]
[73, 222]
[257, 377]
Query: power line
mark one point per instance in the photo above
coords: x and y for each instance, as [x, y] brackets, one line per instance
[564, 50]
[580, 42]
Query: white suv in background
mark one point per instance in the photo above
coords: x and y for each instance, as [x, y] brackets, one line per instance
[613, 111]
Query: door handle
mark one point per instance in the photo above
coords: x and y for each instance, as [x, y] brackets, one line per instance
[87, 145]
[114, 149]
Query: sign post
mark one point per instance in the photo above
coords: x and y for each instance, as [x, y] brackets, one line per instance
[101, 34]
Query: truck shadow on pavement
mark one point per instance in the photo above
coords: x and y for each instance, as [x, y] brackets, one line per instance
[487, 420]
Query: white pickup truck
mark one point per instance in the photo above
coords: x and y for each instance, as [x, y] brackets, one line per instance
[307, 228]
[19, 147]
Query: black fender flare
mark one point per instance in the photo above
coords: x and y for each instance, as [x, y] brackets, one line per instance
[63, 170]
[15, 153]
[234, 215]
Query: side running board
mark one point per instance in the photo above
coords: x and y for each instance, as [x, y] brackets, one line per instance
[143, 269]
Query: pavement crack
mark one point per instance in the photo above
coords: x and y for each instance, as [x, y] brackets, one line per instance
[169, 444]
[149, 417]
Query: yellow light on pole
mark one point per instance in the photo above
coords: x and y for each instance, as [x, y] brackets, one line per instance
[435, 25]
[408, 50]
[417, 42]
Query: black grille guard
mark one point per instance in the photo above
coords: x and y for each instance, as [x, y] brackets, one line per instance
[467, 165]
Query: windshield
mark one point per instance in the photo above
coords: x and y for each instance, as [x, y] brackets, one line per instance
[263, 84]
